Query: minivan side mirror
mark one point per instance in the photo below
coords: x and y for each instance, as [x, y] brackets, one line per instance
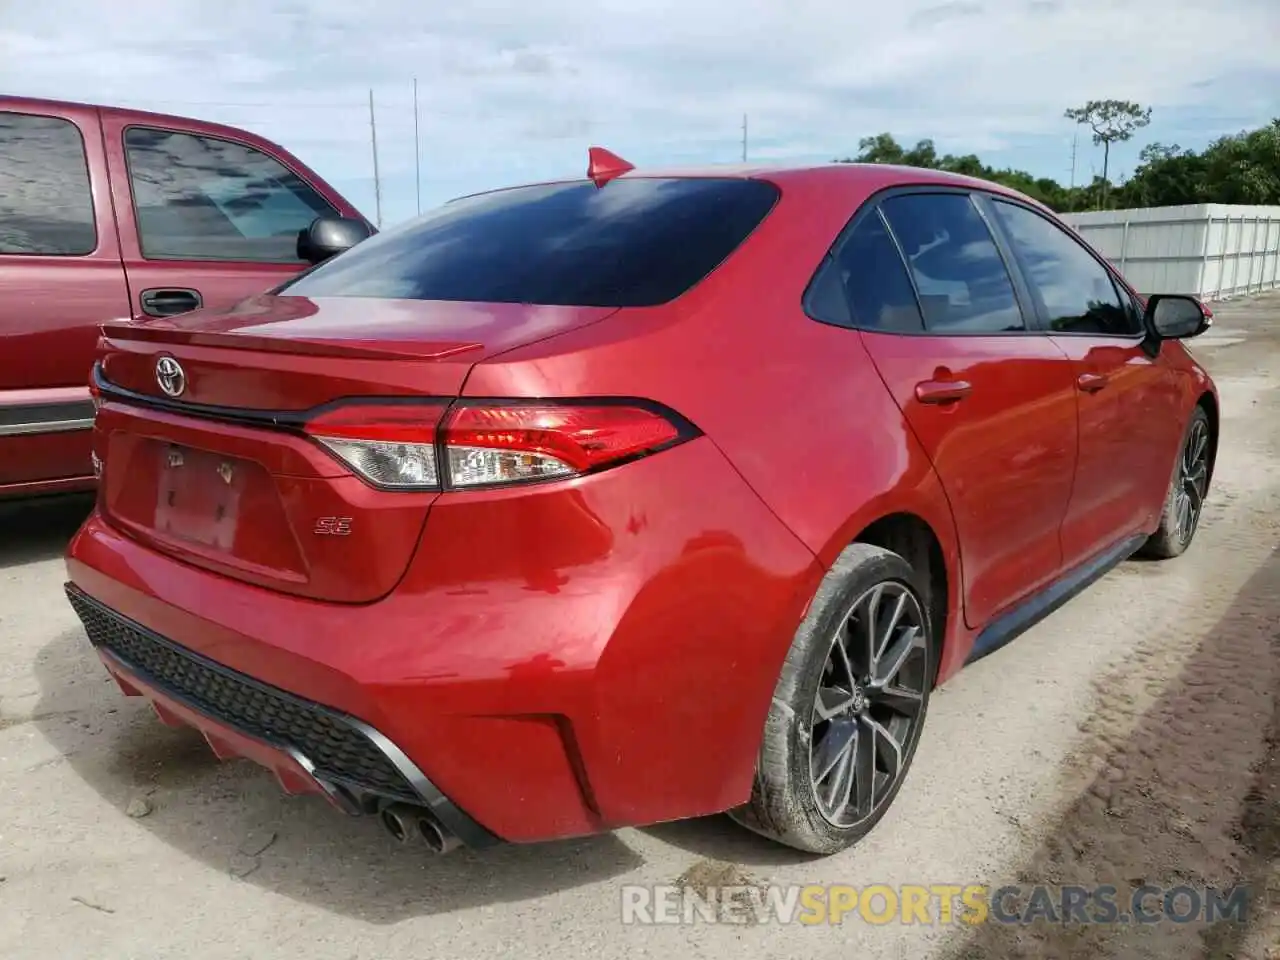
[1175, 316]
[329, 236]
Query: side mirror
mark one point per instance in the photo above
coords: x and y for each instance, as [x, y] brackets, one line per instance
[1172, 316]
[329, 236]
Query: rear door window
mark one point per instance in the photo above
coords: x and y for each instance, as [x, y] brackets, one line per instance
[46, 204]
[201, 198]
[959, 274]
[631, 243]
[866, 284]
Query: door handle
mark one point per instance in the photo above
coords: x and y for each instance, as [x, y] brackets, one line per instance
[1091, 382]
[943, 391]
[167, 302]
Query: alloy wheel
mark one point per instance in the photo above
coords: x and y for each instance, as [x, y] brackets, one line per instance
[869, 704]
[1191, 482]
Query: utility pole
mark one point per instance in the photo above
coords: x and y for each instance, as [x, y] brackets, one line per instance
[744, 138]
[1075, 139]
[417, 162]
[377, 180]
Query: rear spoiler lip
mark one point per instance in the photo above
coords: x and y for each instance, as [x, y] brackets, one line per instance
[118, 331]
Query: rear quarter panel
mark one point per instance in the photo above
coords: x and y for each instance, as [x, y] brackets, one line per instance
[796, 406]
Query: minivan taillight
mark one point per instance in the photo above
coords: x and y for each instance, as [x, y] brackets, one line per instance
[406, 446]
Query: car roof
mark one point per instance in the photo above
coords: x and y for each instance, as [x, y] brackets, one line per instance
[869, 176]
[798, 171]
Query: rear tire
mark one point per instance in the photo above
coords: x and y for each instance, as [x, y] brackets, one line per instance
[848, 708]
[1184, 501]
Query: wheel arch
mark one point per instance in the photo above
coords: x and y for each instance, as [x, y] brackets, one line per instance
[1209, 403]
[912, 538]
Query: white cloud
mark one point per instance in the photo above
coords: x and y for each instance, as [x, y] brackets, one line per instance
[510, 92]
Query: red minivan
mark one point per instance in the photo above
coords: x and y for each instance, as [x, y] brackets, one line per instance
[110, 214]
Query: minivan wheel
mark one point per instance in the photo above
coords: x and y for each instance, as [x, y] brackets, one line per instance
[1184, 502]
[848, 708]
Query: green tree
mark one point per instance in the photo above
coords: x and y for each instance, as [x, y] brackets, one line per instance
[1245, 167]
[1166, 176]
[1112, 121]
[884, 148]
[969, 165]
[1241, 168]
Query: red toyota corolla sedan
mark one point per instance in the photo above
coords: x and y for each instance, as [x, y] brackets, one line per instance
[631, 498]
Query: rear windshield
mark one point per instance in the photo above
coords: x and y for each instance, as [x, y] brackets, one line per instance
[630, 243]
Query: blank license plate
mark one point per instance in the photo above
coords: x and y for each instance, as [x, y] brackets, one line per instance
[199, 495]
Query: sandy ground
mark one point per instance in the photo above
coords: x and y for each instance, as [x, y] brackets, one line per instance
[1131, 738]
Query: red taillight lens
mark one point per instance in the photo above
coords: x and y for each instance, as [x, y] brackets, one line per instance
[499, 443]
[395, 446]
[391, 445]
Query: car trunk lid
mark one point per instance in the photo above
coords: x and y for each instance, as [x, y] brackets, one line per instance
[218, 471]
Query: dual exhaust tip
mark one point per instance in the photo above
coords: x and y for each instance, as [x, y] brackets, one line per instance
[410, 825]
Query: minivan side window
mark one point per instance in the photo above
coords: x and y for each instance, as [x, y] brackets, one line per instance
[201, 198]
[46, 203]
[961, 279]
[868, 276]
[1076, 290]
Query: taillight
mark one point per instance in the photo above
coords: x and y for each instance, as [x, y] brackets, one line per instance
[390, 445]
[406, 447]
[497, 443]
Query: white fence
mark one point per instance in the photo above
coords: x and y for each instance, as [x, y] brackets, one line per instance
[1213, 250]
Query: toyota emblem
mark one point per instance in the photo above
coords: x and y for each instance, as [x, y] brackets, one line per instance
[170, 376]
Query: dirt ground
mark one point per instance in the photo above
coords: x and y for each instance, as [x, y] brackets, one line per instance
[1130, 739]
[1178, 771]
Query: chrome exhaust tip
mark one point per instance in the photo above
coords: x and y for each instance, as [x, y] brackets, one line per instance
[398, 819]
[436, 835]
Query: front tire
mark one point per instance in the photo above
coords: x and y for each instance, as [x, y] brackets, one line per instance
[1184, 502]
[848, 708]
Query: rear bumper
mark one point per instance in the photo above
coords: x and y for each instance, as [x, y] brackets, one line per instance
[555, 662]
[309, 748]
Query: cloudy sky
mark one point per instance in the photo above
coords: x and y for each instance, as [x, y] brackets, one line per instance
[510, 92]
